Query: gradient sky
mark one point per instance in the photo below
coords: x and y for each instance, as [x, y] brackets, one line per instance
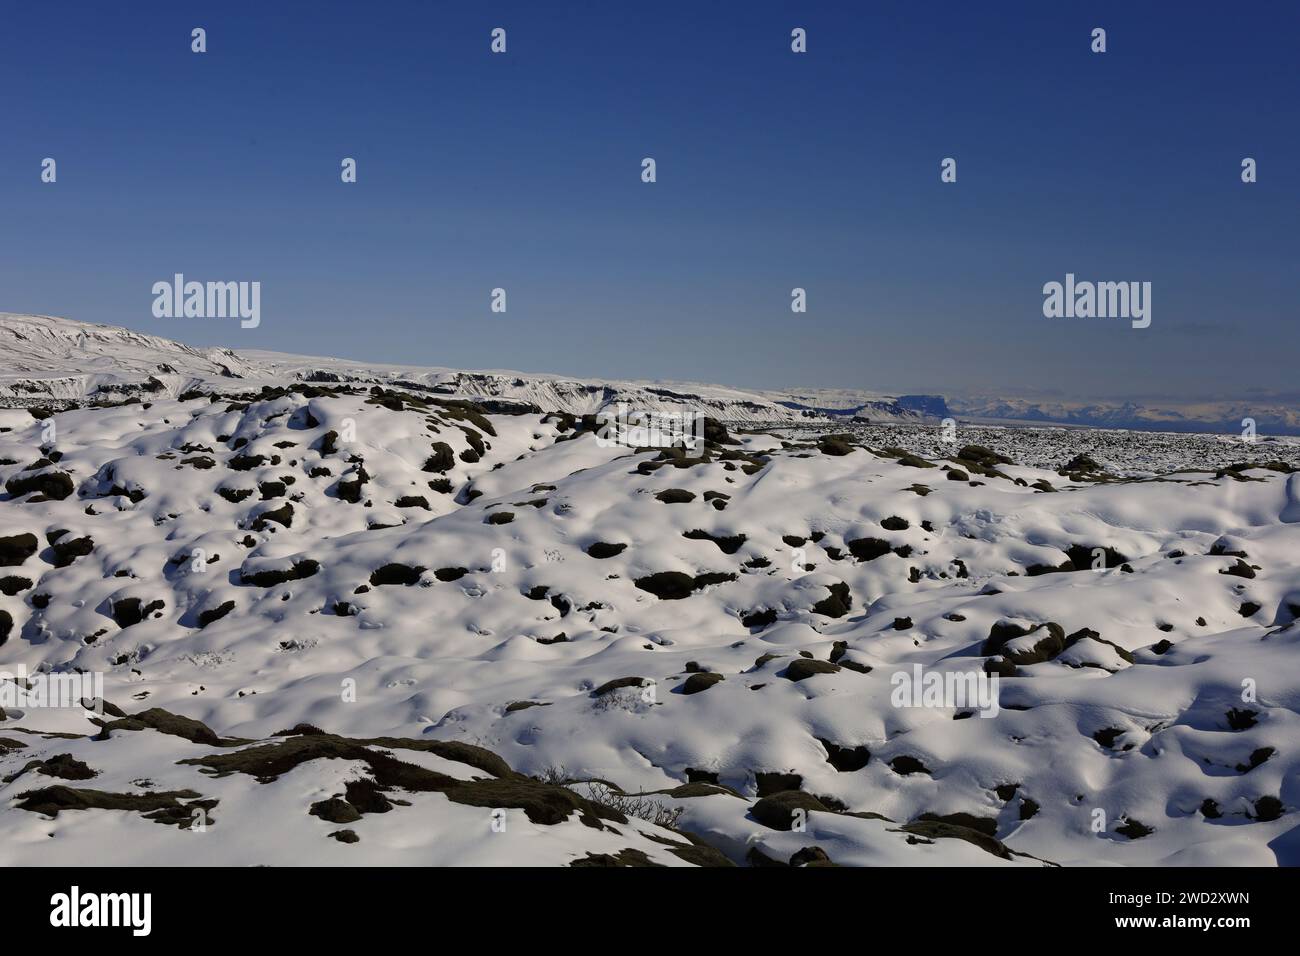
[775, 170]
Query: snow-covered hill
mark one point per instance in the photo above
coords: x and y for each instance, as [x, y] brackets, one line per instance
[42, 358]
[49, 359]
[341, 623]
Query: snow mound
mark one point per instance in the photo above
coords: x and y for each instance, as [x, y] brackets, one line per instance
[702, 642]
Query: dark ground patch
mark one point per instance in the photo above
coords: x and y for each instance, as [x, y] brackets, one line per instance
[399, 574]
[675, 496]
[17, 548]
[700, 682]
[269, 578]
[674, 585]
[801, 668]
[165, 807]
[727, 544]
[837, 603]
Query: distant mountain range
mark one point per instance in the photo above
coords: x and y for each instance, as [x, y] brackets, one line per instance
[1270, 416]
[49, 359]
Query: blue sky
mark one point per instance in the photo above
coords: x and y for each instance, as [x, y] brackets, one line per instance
[775, 170]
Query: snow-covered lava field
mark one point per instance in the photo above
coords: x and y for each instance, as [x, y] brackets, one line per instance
[1130, 454]
[341, 623]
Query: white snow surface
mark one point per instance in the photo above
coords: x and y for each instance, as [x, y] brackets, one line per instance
[1162, 735]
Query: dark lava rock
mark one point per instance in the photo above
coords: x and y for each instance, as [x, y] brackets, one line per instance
[836, 445]
[941, 830]
[675, 496]
[271, 489]
[269, 578]
[845, 759]
[15, 549]
[758, 618]
[335, 810]
[1134, 829]
[801, 668]
[837, 604]
[56, 485]
[700, 682]
[165, 808]
[986, 825]
[402, 574]
[281, 516]
[63, 766]
[130, 611]
[1242, 719]
[68, 550]
[165, 722]
[727, 544]
[983, 456]
[779, 811]
[674, 585]
[811, 856]
[442, 460]
[905, 764]
[367, 797]
[1050, 643]
[1241, 570]
[868, 549]
[1257, 757]
[1080, 462]
[619, 682]
[1267, 808]
[215, 613]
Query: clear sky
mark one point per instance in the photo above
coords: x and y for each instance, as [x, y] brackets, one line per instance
[775, 170]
